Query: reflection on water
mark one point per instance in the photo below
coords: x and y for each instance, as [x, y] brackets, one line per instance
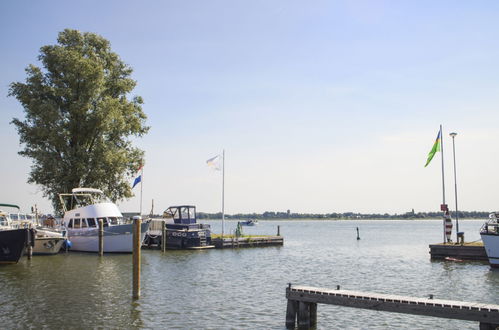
[244, 288]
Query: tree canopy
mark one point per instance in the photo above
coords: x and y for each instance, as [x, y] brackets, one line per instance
[80, 118]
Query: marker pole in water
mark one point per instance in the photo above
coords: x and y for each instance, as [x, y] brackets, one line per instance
[101, 237]
[137, 222]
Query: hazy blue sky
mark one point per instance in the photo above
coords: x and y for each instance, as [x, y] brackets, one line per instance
[321, 106]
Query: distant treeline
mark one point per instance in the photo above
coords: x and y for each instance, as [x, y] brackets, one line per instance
[346, 215]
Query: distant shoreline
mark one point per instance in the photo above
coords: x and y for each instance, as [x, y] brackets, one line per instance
[469, 215]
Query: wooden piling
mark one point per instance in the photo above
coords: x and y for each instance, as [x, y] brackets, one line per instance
[278, 230]
[163, 236]
[313, 314]
[101, 237]
[303, 314]
[137, 221]
[291, 312]
[30, 241]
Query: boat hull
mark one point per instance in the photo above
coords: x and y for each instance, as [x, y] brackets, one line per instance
[117, 239]
[48, 242]
[491, 244]
[13, 244]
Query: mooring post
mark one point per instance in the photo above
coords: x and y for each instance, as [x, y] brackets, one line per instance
[30, 241]
[313, 314]
[303, 314]
[101, 237]
[278, 230]
[291, 312]
[137, 222]
[163, 236]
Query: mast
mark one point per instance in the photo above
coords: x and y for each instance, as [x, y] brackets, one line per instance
[442, 157]
[444, 206]
[223, 192]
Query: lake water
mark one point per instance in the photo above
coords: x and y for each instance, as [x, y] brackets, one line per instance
[245, 288]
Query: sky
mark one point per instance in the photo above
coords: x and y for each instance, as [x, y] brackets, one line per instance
[320, 106]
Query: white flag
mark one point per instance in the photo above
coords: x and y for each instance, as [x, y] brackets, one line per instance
[214, 163]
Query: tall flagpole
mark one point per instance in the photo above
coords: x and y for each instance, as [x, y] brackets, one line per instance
[141, 181]
[442, 157]
[444, 206]
[223, 192]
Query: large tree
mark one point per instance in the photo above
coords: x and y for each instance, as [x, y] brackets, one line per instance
[80, 118]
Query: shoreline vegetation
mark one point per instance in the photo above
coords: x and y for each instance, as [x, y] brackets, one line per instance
[478, 215]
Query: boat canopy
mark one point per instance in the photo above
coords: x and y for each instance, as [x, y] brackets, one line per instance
[10, 205]
[81, 197]
[86, 190]
[184, 214]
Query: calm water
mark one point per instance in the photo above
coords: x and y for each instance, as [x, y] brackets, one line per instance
[245, 288]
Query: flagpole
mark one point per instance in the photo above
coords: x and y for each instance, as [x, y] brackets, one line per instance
[223, 192]
[141, 181]
[443, 179]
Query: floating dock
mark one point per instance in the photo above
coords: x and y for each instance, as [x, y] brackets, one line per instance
[244, 242]
[465, 251]
[303, 300]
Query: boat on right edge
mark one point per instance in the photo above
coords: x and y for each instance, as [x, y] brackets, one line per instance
[490, 237]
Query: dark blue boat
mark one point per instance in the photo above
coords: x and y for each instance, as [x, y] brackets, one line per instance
[182, 229]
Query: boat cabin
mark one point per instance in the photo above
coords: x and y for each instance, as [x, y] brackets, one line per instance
[184, 214]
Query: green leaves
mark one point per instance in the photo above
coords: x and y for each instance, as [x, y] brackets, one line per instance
[79, 117]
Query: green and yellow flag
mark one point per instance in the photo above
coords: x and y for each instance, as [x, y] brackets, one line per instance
[436, 147]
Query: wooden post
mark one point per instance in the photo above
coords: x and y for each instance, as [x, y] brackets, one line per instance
[303, 314]
[291, 314]
[163, 236]
[30, 241]
[313, 314]
[278, 230]
[137, 222]
[101, 237]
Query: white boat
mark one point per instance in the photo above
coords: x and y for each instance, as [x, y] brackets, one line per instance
[490, 237]
[48, 241]
[83, 208]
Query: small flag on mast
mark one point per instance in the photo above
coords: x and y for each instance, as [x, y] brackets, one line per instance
[139, 178]
[434, 149]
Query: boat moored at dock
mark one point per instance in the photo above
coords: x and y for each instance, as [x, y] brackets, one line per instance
[13, 240]
[490, 237]
[83, 209]
[182, 229]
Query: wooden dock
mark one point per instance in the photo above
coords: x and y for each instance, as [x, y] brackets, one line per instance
[244, 242]
[303, 300]
[466, 251]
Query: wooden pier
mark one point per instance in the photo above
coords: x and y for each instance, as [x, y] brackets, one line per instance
[303, 300]
[239, 242]
[466, 251]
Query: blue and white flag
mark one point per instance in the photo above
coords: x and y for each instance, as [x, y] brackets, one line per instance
[139, 178]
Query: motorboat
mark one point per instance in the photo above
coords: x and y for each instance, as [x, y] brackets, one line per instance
[49, 241]
[490, 237]
[182, 229]
[249, 222]
[83, 209]
[13, 240]
[49, 238]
